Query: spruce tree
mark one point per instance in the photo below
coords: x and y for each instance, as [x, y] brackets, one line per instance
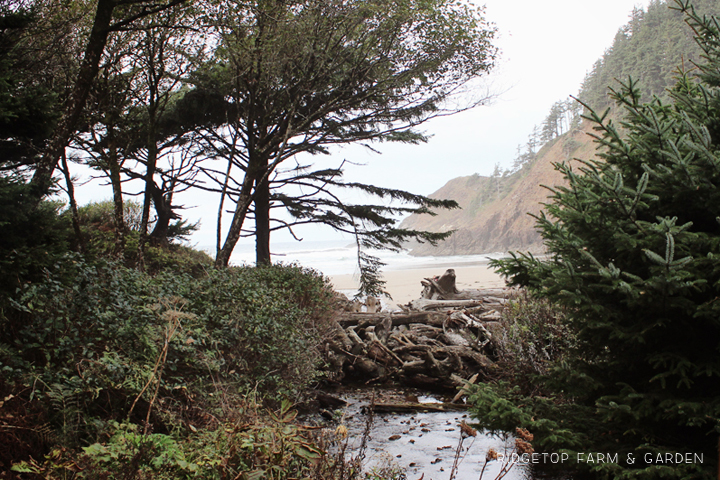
[633, 242]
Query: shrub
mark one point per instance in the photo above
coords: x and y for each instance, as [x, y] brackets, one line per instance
[534, 335]
[99, 342]
[32, 238]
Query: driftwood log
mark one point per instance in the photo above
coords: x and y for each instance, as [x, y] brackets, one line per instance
[438, 341]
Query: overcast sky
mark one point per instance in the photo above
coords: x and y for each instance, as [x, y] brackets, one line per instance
[547, 48]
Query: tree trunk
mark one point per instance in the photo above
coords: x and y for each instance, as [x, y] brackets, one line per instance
[262, 221]
[73, 204]
[241, 208]
[150, 170]
[42, 178]
[165, 213]
[221, 205]
[119, 207]
[152, 152]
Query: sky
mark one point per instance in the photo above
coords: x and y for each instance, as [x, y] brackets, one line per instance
[546, 49]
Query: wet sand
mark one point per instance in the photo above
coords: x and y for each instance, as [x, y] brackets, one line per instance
[404, 285]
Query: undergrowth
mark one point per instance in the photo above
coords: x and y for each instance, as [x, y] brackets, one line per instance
[109, 372]
[533, 336]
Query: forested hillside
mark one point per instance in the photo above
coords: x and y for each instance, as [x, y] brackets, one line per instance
[494, 217]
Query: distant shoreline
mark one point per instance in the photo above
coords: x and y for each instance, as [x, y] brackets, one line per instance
[442, 263]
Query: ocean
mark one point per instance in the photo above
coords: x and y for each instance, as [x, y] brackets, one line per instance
[339, 257]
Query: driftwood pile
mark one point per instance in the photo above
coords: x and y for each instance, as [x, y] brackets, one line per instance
[438, 341]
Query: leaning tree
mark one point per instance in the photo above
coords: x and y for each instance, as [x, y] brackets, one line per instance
[294, 78]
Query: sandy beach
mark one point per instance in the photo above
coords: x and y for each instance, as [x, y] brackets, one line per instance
[404, 285]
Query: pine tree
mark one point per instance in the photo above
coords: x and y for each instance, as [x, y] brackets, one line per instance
[634, 253]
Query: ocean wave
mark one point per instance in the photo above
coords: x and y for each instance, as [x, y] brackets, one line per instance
[337, 257]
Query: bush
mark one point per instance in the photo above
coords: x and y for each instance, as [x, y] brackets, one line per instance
[257, 445]
[265, 319]
[534, 335]
[32, 238]
[100, 342]
[97, 220]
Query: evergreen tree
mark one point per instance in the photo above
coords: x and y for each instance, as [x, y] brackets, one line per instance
[634, 253]
[647, 49]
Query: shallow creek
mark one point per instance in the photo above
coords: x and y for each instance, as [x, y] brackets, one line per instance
[423, 443]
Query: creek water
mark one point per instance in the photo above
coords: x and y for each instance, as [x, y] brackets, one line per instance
[424, 444]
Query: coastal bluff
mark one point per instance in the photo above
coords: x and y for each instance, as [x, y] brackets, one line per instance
[496, 212]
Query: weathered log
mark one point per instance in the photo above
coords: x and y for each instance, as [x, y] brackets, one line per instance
[439, 287]
[330, 402]
[372, 304]
[463, 390]
[467, 353]
[367, 368]
[423, 304]
[412, 349]
[381, 352]
[457, 339]
[354, 337]
[340, 338]
[424, 336]
[426, 346]
[363, 320]
[444, 288]
[383, 329]
[484, 309]
[496, 300]
[471, 321]
[433, 367]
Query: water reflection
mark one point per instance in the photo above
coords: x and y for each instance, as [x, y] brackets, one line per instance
[427, 443]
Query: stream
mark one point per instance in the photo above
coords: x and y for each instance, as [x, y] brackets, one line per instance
[423, 444]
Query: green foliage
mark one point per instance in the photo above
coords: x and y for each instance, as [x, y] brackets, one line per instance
[648, 49]
[297, 78]
[257, 445]
[277, 449]
[95, 342]
[130, 454]
[28, 98]
[633, 240]
[32, 238]
[500, 407]
[263, 320]
[97, 223]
